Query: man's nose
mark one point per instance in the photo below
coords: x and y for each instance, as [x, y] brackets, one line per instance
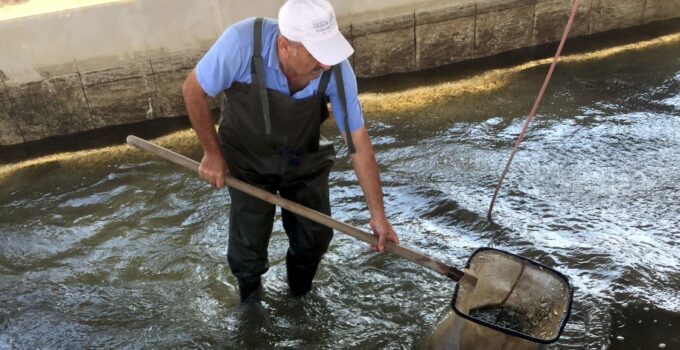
[324, 67]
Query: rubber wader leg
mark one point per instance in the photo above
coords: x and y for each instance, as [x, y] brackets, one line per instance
[308, 240]
[300, 274]
[250, 289]
[250, 227]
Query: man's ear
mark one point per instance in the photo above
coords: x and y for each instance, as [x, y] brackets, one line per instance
[284, 46]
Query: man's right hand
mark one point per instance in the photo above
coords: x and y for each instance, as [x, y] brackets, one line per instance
[213, 169]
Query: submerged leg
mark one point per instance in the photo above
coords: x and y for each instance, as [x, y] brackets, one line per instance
[250, 227]
[308, 240]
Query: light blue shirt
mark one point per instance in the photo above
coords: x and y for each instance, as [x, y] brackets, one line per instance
[229, 58]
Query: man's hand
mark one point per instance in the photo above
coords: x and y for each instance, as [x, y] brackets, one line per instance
[384, 231]
[212, 170]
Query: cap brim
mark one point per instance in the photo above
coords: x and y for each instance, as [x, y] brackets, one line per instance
[331, 51]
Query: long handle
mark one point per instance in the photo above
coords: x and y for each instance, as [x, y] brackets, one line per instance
[303, 211]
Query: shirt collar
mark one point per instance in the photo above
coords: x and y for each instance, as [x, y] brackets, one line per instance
[273, 57]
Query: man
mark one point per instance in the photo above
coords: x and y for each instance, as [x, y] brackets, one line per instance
[277, 78]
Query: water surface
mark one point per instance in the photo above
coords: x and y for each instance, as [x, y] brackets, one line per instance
[122, 251]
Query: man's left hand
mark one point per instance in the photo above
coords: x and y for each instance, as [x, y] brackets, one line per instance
[384, 231]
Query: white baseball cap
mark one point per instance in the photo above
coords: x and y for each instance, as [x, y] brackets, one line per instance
[312, 22]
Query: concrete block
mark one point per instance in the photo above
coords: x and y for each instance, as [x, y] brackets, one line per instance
[175, 61]
[445, 32]
[616, 14]
[383, 40]
[51, 107]
[441, 43]
[382, 21]
[170, 92]
[386, 52]
[68, 111]
[504, 30]
[123, 94]
[444, 10]
[487, 6]
[127, 70]
[232, 11]
[169, 73]
[657, 10]
[363, 6]
[342, 8]
[35, 48]
[551, 17]
[183, 25]
[106, 36]
[123, 101]
[10, 133]
[29, 110]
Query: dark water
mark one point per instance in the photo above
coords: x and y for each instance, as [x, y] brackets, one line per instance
[132, 254]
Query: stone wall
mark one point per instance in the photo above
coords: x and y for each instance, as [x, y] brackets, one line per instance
[124, 61]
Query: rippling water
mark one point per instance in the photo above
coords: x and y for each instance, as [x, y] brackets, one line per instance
[133, 254]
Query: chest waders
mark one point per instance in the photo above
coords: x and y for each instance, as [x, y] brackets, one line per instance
[273, 141]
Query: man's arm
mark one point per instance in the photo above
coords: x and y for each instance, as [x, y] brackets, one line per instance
[367, 172]
[213, 166]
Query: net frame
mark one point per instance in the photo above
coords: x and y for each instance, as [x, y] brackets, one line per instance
[526, 262]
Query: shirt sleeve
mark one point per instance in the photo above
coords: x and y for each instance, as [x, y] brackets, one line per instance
[219, 67]
[356, 119]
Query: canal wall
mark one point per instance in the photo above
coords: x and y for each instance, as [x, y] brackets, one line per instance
[121, 62]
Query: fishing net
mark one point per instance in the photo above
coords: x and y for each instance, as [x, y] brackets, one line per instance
[513, 295]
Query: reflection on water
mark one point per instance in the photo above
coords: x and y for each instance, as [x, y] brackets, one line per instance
[117, 250]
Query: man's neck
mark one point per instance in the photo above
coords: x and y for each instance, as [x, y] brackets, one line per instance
[294, 83]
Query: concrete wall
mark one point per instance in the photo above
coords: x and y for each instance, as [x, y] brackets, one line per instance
[124, 61]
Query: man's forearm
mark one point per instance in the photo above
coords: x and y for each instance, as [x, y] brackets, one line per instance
[367, 172]
[196, 102]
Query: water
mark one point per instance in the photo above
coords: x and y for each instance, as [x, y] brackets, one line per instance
[503, 317]
[111, 249]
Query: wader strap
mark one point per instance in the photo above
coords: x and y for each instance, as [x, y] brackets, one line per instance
[257, 71]
[323, 83]
[340, 84]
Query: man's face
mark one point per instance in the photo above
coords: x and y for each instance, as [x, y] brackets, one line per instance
[302, 64]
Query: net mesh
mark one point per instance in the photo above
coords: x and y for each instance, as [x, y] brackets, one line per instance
[514, 295]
